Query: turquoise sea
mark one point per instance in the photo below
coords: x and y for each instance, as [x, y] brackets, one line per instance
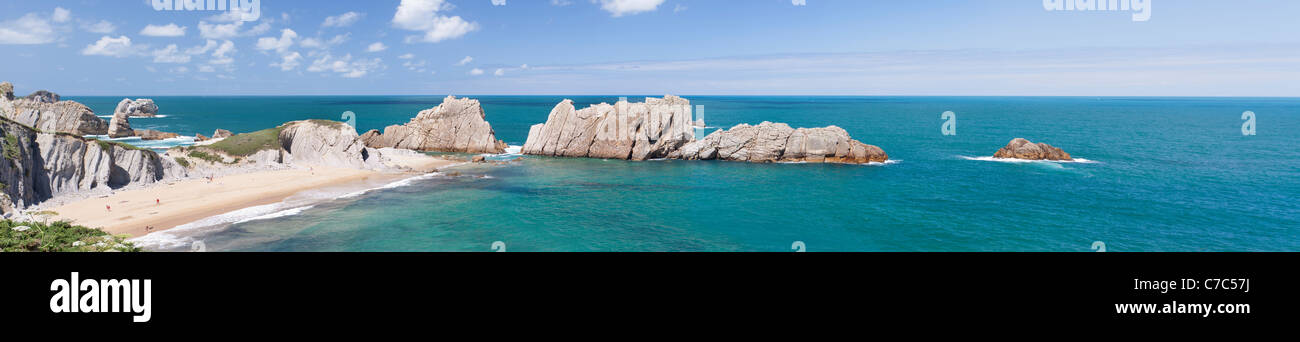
[1164, 174]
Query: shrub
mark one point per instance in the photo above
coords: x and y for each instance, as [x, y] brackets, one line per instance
[246, 144]
[59, 237]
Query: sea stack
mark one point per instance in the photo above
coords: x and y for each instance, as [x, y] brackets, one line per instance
[137, 107]
[1019, 148]
[456, 125]
[631, 131]
[776, 142]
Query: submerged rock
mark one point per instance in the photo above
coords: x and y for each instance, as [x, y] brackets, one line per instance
[456, 125]
[776, 142]
[632, 131]
[1020, 148]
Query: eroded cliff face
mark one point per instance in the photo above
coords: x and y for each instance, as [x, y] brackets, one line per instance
[632, 131]
[61, 116]
[776, 142]
[37, 166]
[1020, 148]
[456, 125]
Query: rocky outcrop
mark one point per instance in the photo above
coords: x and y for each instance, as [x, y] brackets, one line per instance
[221, 133]
[456, 125]
[149, 134]
[38, 166]
[632, 131]
[120, 126]
[61, 116]
[43, 96]
[137, 107]
[776, 142]
[200, 137]
[1020, 148]
[325, 143]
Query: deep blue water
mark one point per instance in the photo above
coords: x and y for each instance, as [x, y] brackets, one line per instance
[1167, 174]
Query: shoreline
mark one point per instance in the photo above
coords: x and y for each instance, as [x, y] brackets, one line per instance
[164, 206]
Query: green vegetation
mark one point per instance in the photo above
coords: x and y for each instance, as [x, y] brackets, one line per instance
[206, 156]
[108, 145]
[11, 150]
[184, 162]
[246, 144]
[327, 123]
[59, 237]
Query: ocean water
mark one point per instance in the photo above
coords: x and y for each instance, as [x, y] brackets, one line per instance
[1162, 174]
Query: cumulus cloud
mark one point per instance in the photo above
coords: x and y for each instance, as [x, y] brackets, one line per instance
[281, 44]
[345, 66]
[231, 30]
[61, 15]
[170, 54]
[476, 72]
[465, 60]
[422, 15]
[29, 29]
[318, 43]
[799, 2]
[498, 2]
[376, 47]
[407, 56]
[342, 20]
[619, 8]
[500, 72]
[222, 54]
[109, 46]
[101, 27]
[289, 62]
[169, 30]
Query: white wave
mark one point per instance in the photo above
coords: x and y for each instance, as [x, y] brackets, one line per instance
[396, 184]
[134, 117]
[282, 213]
[1020, 161]
[887, 162]
[514, 149]
[183, 235]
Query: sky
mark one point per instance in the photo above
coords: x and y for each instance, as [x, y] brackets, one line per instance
[686, 47]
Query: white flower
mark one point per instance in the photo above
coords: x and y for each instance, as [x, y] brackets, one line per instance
[22, 228]
[78, 244]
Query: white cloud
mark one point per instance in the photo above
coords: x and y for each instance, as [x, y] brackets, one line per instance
[170, 54]
[342, 20]
[289, 61]
[376, 47]
[101, 27]
[199, 50]
[619, 8]
[476, 72]
[500, 72]
[207, 68]
[422, 15]
[281, 44]
[29, 29]
[219, 31]
[799, 2]
[498, 2]
[61, 15]
[561, 2]
[222, 54]
[169, 30]
[317, 43]
[465, 60]
[407, 56]
[109, 46]
[346, 67]
[679, 8]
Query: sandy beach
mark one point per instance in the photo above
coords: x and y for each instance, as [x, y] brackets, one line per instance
[168, 205]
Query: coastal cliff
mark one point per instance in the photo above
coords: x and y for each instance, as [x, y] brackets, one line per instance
[632, 131]
[38, 166]
[305, 143]
[45, 113]
[456, 125]
[1020, 148]
[776, 142]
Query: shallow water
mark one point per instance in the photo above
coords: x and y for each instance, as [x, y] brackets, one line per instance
[1163, 174]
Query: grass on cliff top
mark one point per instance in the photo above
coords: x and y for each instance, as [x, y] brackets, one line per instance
[59, 237]
[245, 144]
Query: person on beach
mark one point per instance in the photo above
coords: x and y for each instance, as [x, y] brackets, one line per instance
[157, 201]
[107, 207]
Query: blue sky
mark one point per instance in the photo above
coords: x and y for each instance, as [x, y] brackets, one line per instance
[694, 47]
